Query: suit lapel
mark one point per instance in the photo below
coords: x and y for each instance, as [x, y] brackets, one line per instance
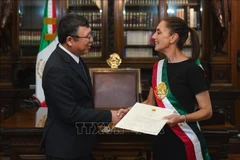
[81, 73]
[68, 59]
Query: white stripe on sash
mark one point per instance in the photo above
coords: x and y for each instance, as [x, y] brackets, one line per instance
[186, 128]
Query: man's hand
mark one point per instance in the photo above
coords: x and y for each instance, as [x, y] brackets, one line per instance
[118, 115]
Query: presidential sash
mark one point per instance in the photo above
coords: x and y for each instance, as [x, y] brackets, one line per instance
[189, 133]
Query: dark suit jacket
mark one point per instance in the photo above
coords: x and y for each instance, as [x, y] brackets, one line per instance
[68, 94]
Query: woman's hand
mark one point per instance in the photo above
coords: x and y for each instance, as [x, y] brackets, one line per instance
[174, 119]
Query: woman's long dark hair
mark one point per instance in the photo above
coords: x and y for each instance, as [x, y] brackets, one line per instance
[179, 26]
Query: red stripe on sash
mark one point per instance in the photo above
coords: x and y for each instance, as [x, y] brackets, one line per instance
[176, 129]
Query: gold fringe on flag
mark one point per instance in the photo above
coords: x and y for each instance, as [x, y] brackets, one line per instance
[49, 37]
[50, 20]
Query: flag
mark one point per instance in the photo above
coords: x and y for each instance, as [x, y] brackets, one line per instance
[48, 43]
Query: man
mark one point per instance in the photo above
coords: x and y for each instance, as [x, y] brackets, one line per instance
[68, 93]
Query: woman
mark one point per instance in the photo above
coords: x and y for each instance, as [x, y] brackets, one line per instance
[178, 82]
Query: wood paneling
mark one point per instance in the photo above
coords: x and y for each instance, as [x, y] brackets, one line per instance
[235, 42]
[235, 46]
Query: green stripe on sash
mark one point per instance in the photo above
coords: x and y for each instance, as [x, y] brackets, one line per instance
[182, 111]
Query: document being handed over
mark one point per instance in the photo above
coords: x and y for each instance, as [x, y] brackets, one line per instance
[145, 119]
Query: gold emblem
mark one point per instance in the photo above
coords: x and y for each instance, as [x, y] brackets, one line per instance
[114, 60]
[161, 91]
[153, 110]
[40, 66]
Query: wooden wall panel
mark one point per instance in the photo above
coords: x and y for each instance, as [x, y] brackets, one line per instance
[235, 41]
[235, 46]
[221, 76]
[5, 75]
